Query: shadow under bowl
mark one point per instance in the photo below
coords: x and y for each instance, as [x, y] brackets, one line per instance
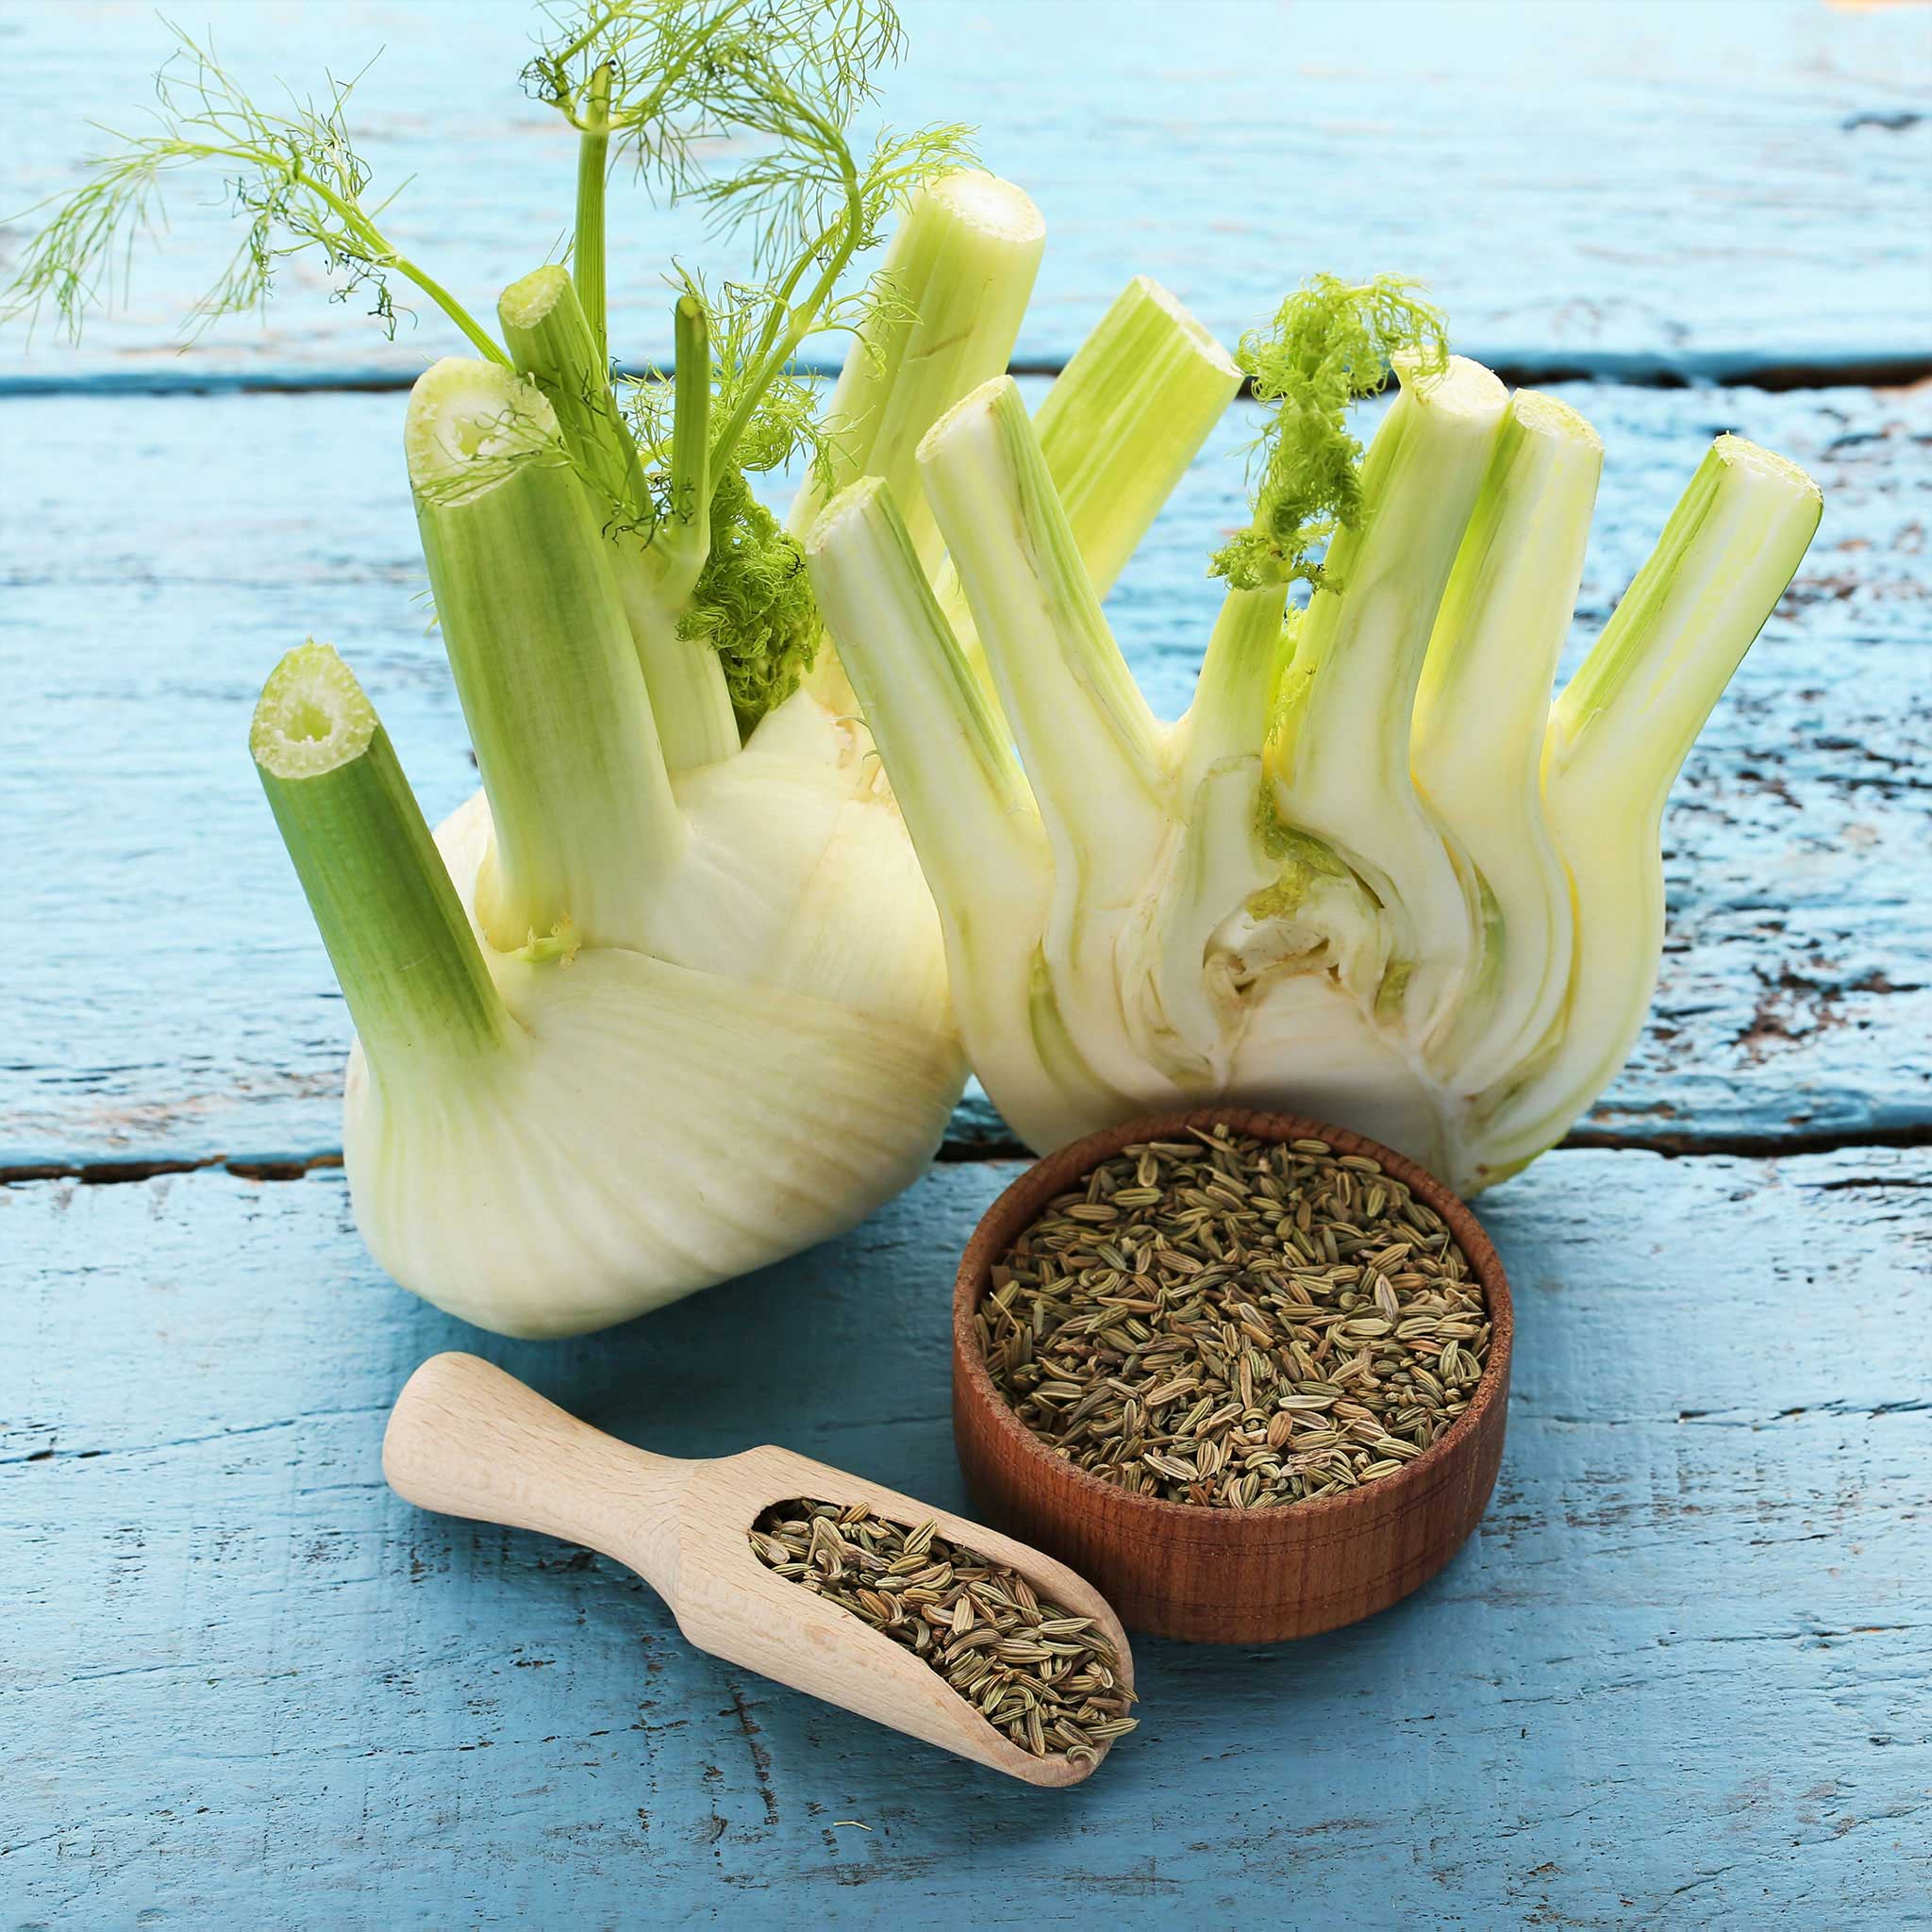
[1228, 1575]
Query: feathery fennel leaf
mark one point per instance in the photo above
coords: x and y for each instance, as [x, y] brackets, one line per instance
[663, 78]
[659, 78]
[667, 84]
[753, 604]
[294, 178]
[1329, 344]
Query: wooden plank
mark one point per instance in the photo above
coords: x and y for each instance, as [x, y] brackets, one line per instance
[166, 997]
[1227, 149]
[1680, 1674]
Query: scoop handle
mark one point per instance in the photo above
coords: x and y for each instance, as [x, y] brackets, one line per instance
[467, 1439]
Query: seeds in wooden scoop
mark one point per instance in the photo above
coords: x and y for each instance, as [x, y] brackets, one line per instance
[1046, 1678]
[1235, 1323]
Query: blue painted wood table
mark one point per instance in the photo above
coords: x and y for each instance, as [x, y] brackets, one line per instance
[1680, 1675]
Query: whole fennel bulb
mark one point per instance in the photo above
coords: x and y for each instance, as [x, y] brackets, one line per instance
[549, 1138]
[1372, 874]
[674, 1005]
[667, 1007]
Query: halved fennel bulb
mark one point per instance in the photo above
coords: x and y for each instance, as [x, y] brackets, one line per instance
[1371, 876]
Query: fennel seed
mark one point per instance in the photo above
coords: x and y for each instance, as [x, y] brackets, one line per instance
[1042, 1676]
[1260, 1323]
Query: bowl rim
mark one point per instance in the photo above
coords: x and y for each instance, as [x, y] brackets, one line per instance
[1052, 1173]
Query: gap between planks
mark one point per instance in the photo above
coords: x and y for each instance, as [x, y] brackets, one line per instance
[115, 1173]
[1516, 368]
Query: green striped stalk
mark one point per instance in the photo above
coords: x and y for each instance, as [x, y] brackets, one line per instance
[1127, 416]
[960, 268]
[544, 663]
[965, 802]
[656, 558]
[1338, 752]
[1118, 429]
[404, 954]
[1617, 737]
[1480, 712]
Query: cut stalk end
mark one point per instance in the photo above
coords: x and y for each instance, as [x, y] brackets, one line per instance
[1532, 413]
[1144, 291]
[470, 425]
[312, 716]
[1463, 390]
[1734, 453]
[529, 301]
[853, 505]
[989, 206]
[975, 407]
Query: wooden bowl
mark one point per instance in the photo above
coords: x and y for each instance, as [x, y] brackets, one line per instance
[1228, 1575]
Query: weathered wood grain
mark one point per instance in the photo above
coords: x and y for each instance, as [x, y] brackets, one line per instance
[1680, 1674]
[1699, 189]
[165, 996]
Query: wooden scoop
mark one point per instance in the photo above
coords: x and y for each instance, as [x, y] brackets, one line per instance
[469, 1440]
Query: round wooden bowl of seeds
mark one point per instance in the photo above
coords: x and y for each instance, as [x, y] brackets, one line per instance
[1247, 1373]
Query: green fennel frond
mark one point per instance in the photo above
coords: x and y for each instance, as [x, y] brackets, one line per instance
[808, 197]
[666, 78]
[294, 178]
[835, 210]
[659, 78]
[783, 426]
[753, 604]
[1330, 344]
